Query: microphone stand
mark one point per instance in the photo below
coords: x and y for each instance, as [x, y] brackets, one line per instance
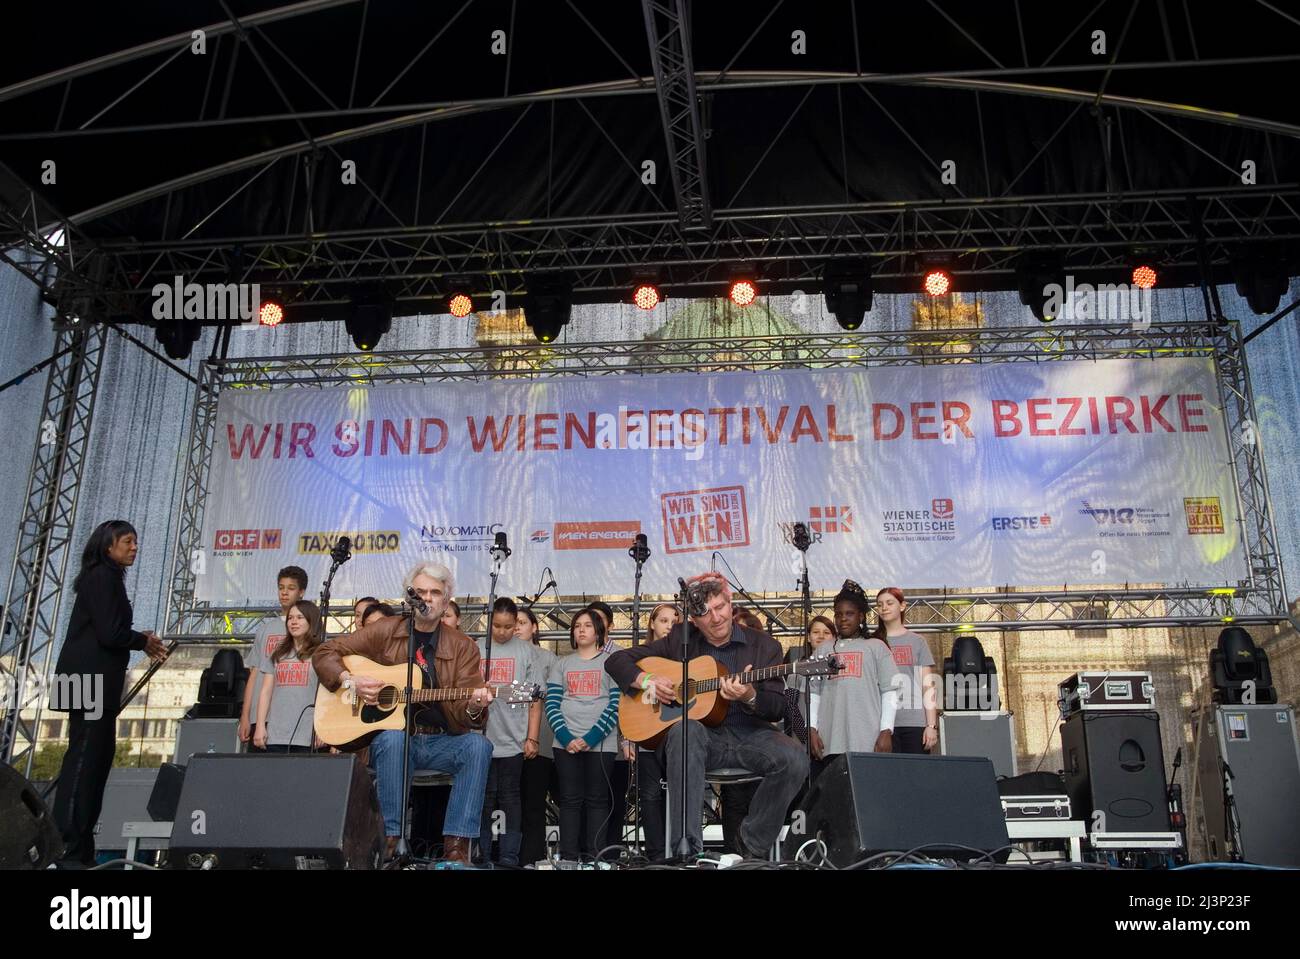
[340, 554]
[734, 580]
[409, 608]
[683, 840]
[499, 553]
[640, 552]
[802, 541]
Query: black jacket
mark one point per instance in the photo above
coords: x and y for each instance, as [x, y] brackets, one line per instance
[100, 637]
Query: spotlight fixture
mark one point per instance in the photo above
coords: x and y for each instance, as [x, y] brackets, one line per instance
[937, 282]
[846, 285]
[270, 313]
[1145, 276]
[460, 304]
[1261, 278]
[646, 296]
[743, 291]
[370, 318]
[1035, 275]
[548, 303]
[177, 337]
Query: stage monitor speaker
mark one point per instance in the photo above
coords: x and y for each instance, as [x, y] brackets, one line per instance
[166, 794]
[277, 811]
[1114, 765]
[868, 803]
[29, 839]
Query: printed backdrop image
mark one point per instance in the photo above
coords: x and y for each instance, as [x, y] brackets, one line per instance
[962, 475]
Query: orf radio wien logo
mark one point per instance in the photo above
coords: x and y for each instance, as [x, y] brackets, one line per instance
[242, 542]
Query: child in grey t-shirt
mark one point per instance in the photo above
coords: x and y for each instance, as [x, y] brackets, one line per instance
[859, 702]
[284, 708]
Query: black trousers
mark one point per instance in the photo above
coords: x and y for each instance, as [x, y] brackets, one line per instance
[585, 794]
[537, 780]
[503, 794]
[286, 748]
[909, 739]
[86, 764]
[651, 794]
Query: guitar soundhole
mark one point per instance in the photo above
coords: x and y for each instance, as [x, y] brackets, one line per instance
[387, 698]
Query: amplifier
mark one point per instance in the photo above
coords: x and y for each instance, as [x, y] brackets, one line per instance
[1018, 808]
[1105, 692]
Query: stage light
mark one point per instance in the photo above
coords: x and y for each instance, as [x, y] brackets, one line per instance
[1034, 274]
[646, 296]
[177, 337]
[270, 313]
[371, 317]
[846, 286]
[742, 292]
[1144, 276]
[548, 304]
[937, 282]
[460, 304]
[1261, 279]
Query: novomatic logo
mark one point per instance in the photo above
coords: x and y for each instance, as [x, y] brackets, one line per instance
[597, 534]
[371, 541]
[1204, 515]
[458, 537]
[234, 542]
[705, 519]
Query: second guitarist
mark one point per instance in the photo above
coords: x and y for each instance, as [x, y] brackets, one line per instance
[746, 737]
[448, 659]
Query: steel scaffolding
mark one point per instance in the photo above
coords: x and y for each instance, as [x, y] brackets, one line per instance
[38, 575]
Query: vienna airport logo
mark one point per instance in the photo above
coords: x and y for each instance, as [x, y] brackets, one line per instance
[179, 300]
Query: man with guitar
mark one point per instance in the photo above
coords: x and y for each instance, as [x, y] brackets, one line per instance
[448, 659]
[745, 737]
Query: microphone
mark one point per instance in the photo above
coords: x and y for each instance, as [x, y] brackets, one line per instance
[640, 549]
[415, 602]
[342, 550]
[499, 548]
[696, 603]
[802, 540]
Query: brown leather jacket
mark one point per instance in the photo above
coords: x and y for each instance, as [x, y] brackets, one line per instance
[385, 641]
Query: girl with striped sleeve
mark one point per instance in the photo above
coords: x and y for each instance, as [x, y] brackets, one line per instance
[582, 709]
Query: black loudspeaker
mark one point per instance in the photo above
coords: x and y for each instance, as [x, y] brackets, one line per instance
[29, 838]
[1114, 764]
[867, 803]
[277, 811]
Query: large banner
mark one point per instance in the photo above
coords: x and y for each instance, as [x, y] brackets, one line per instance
[960, 475]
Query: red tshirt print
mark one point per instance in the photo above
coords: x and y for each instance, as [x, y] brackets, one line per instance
[852, 665]
[292, 674]
[272, 644]
[584, 682]
[902, 655]
[503, 672]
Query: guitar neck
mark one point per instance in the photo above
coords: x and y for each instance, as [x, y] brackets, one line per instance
[754, 675]
[447, 695]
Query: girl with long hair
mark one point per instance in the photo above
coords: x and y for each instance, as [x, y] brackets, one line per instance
[290, 690]
[916, 725]
[582, 708]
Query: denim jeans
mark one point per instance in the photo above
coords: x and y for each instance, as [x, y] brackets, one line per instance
[502, 794]
[464, 757]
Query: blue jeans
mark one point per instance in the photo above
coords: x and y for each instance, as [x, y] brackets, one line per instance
[464, 757]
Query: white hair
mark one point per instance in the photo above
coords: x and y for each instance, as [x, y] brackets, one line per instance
[434, 571]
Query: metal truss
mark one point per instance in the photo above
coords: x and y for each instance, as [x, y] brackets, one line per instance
[1259, 599]
[667, 26]
[38, 576]
[1090, 232]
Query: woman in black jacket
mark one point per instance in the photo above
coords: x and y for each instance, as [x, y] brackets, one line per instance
[90, 676]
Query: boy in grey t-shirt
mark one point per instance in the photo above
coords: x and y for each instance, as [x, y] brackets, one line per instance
[513, 732]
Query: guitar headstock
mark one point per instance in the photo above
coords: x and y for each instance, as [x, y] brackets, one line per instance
[519, 694]
[818, 667]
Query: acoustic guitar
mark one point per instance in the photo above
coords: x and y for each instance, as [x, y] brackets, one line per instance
[342, 720]
[644, 720]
